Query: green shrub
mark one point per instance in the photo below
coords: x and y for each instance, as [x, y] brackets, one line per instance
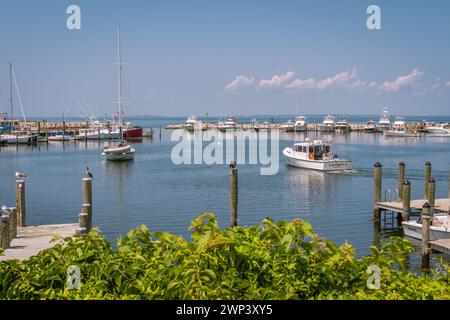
[284, 260]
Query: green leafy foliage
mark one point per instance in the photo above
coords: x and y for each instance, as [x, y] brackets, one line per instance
[284, 260]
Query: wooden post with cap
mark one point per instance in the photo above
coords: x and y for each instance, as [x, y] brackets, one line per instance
[406, 198]
[234, 194]
[426, 179]
[87, 200]
[20, 203]
[401, 180]
[431, 192]
[377, 174]
[426, 250]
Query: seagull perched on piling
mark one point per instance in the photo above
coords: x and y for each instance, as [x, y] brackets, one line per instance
[88, 173]
[20, 175]
[233, 164]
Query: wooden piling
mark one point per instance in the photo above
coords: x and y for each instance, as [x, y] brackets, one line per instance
[83, 221]
[5, 239]
[431, 193]
[87, 199]
[13, 223]
[401, 180]
[426, 238]
[377, 174]
[20, 203]
[426, 179]
[406, 199]
[234, 196]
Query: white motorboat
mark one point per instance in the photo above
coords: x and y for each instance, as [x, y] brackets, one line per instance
[16, 138]
[119, 151]
[192, 123]
[315, 155]
[97, 131]
[229, 124]
[300, 124]
[370, 127]
[439, 227]
[342, 125]
[59, 136]
[328, 124]
[287, 126]
[384, 124]
[441, 130]
[399, 129]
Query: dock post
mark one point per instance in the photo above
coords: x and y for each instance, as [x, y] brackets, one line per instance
[426, 179]
[401, 180]
[83, 220]
[87, 199]
[377, 174]
[20, 203]
[406, 198]
[234, 196]
[431, 193]
[13, 223]
[5, 239]
[426, 238]
[159, 133]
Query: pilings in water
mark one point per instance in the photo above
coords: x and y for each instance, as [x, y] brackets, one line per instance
[426, 179]
[5, 234]
[377, 174]
[401, 180]
[85, 217]
[406, 199]
[20, 203]
[426, 250]
[234, 196]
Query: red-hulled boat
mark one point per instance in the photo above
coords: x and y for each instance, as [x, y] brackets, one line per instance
[132, 132]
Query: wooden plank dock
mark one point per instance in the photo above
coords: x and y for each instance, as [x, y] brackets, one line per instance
[441, 245]
[441, 205]
[31, 240]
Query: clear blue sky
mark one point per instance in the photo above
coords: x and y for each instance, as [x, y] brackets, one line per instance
[229, 57]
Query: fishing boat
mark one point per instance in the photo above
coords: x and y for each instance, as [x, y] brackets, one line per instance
[300, 124]
[439, 227]
[384, 124]
[192, 123]
[287, 126]
[59, 136]
[399, 129]
[254, 125]
[16, 138]
[342, 125]
[97, 131]
[370, 127]
[229, 124]
[328, 124]
[315, 155]
[119, 151]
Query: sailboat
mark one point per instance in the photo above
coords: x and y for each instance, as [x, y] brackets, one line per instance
[17, 137]
[120, 150]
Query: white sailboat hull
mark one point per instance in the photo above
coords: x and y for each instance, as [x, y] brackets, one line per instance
[320, 165]
[15, 139]
[119, 155]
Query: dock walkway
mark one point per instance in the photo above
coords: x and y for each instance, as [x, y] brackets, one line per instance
[441, 245]
[31, 240]
[441, 205]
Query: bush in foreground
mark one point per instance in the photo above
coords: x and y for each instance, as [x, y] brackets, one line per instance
[284, 260]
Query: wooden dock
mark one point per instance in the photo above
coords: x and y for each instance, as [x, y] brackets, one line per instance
[31, 240]
[441, 205]
[441, 245]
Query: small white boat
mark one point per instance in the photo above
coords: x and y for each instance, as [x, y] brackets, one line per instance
[439, 227]
[384, 124]
[119, 151]
[97, 131]
[399, 130]
[328, 124]
[315, 155]
[342, 125]
[300, 124]
[229, 124]
[287, 126]
[59, 136]
[15, 138]
[370, 127]
[440, 130]
[192, 123]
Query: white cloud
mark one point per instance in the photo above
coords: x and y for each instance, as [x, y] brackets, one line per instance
[338, 80]
[447, 84]
[298, 84]
[240, 81]
[401, 81]
[276, 81]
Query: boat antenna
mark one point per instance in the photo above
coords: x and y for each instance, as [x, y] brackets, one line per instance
[11, 92]
[296, 114]
[119, 70]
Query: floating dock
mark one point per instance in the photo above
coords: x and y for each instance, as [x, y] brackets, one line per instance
[31, 240]
[441, 205]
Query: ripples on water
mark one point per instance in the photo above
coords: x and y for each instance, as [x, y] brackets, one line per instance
[151, 190]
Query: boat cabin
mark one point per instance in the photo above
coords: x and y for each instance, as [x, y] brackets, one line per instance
[313, 150]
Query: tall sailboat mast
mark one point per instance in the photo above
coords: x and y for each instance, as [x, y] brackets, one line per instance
[11, 92]
[119, 67]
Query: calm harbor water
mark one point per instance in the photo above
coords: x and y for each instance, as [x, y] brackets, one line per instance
[152, 190]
